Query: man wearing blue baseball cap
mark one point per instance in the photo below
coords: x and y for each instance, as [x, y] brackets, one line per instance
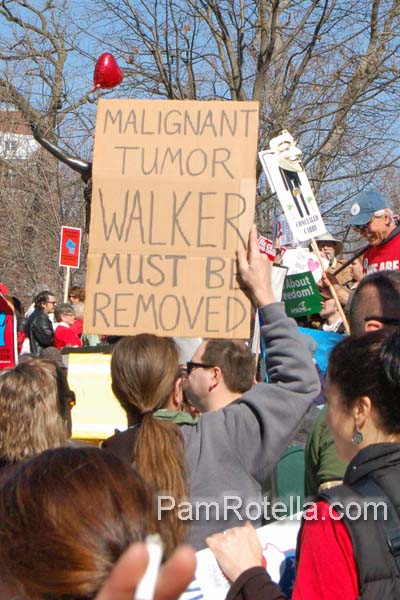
[372, 218]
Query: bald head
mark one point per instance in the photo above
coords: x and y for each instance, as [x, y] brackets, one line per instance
[377, 295]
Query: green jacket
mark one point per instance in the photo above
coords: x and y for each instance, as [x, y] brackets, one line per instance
[178, 417]
[322, 464]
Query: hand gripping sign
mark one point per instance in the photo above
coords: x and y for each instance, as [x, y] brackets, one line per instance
[287, 178]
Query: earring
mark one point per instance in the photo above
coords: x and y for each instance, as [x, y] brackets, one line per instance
[357, 437]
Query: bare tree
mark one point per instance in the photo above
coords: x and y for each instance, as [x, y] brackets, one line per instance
[324, 69]
[38, 194]
[327, 70]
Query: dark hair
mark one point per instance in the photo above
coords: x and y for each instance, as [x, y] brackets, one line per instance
[377, 294]
[144, 372]
[77, 291]
[234, 358]
[369, 365]
[63, 309]
[66, 516]
[41, 298]
[17, 305]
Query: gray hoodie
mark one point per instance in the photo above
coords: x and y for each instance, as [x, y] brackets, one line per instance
[231, 452]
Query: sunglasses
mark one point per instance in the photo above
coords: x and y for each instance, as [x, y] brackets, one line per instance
[190, 365]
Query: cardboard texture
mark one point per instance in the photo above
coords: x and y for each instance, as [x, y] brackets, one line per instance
[173, 198]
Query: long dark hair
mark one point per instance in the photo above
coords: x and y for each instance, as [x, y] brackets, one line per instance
[369, 365]
[144, 372]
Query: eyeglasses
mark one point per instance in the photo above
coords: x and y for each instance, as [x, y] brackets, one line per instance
[363, 228]
[384, 320]
[190, 365]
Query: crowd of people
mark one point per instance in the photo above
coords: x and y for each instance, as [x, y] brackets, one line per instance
[203, 441]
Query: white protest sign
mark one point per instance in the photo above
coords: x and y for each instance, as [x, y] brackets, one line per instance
[278, 274]
[300, 260]
[287, 178]
[282, 232]
[278, 541]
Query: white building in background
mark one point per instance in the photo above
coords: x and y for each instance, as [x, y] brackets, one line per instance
[16, 139]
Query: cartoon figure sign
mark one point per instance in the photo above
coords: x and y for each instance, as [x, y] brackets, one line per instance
[70, 247]
[287, 178]
[8, 334]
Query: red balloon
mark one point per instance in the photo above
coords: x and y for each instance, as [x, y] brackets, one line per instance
[107, 73]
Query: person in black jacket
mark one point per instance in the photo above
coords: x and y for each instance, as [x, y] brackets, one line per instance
[348, 544]
[39, 328]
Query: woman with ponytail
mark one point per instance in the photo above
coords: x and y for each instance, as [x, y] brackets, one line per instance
[146, 378]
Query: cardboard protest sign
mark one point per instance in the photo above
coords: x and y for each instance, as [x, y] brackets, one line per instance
[8, 334]
[301, 295]
[173, 197]
[70, 247]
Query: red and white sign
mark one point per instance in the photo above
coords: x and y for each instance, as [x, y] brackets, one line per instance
[70, 247]
[266, 246]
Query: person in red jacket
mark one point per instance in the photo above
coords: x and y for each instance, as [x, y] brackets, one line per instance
[372, 218]
[64, 334]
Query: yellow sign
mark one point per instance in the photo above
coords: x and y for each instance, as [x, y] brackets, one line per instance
[97, 412]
